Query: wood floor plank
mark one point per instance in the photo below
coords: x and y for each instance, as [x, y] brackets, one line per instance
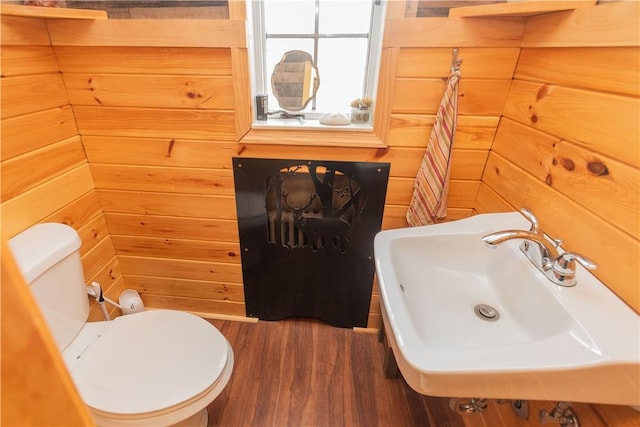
[299, 372]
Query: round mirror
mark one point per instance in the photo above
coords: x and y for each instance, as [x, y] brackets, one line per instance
[295, 80]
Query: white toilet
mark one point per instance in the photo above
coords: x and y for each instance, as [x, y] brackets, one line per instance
[153, 368]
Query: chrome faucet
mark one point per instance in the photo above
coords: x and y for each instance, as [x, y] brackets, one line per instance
[542, 252]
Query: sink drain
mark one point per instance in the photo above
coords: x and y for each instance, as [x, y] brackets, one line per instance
[486, 312]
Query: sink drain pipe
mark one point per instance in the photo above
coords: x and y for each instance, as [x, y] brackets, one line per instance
[468, 406]
[561, 414]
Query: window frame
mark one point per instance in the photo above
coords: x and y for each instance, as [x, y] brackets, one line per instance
[259, 76]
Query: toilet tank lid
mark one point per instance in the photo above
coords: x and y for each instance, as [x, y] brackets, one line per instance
[40, 247]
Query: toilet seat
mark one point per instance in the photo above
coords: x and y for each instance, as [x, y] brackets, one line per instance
[151, 363]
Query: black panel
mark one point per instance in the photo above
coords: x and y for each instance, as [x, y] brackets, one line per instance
[306, 234]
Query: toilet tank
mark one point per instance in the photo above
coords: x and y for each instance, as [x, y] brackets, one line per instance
[48, 256]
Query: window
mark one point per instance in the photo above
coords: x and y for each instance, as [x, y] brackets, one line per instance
[343, 37]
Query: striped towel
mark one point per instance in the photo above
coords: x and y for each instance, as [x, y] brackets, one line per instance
[431, 187]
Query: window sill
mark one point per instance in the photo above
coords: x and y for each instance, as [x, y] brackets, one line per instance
[312, 133]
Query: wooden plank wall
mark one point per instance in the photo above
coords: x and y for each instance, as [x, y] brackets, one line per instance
[45, 174]
[568, 145]
[160, 124]
[158, 127]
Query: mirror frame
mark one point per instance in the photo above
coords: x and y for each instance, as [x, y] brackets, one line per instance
[286, 58]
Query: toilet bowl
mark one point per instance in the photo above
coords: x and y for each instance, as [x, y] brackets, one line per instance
[145, 370]
[152, 368]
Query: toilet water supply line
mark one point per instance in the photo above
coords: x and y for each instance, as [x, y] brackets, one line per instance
[95, 290]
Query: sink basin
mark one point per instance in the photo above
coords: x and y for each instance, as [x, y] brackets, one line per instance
[466, 320]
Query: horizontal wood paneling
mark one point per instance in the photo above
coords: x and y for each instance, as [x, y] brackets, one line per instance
[78, 212]
[604, 123]
[615, 251]
[198, 92]
[568, 146]
[160, 152]
[488, 201]
[157, 178]
[25, 172]
[445, 32]
[197, 305]
[24, 60]
[158, 123]
[461, 192]
[162, 166]
[28, 208]
[413, 130]
[18, 31]
[186, 288]
[44, 171]
[594, 68]
[477, 63]
[576, 172]
[30, 93]
[222, 230]
[144, 60]
[476, 97]
[529, 8]
[164, 247]
[98, 256]
[612, 24]
[149, 33]
[22, 134]
[179, 205]
[181, 269]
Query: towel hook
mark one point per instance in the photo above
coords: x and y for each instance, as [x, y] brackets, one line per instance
[455, 61]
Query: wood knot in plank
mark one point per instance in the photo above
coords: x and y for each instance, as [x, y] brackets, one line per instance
[170, 148]
[598, 168]
[548, 179]
[542, 92]
[567, 164]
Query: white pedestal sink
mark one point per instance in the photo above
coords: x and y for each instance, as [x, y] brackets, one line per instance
[465, 320]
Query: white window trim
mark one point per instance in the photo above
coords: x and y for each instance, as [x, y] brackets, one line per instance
[311, 120]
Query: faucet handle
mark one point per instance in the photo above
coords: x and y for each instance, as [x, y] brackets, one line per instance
[564, 268]
[535, 225]
[567, 258]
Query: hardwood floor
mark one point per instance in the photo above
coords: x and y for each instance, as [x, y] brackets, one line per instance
[305, 373]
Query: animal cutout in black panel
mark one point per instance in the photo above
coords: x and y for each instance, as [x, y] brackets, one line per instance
[306, 231]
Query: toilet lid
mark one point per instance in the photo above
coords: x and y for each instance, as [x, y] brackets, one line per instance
[149, 361]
